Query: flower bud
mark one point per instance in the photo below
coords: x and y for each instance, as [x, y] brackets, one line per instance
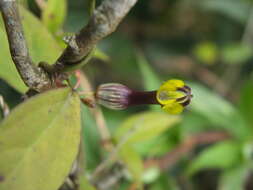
[113, 95]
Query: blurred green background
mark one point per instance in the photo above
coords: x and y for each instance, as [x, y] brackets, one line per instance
[206, 43]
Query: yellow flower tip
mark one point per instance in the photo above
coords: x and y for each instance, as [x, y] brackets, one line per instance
[172, 84]
[174, 95]
[173, 108]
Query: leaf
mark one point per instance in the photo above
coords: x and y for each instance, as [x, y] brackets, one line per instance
[84, 184]
[53, 15]
[160, 145]
[138, 128]
[194, 123]
[151, 81]
[133, 162]
[144, 126]
[218, 111]
[91, 139]
[210, 104]
[39, 141]
[125, 55]
[8, 71]
[165, 181]
[221, 155]
[42, 47]
[236, 53]
[246, 101]
[237, 10]
[234, 178]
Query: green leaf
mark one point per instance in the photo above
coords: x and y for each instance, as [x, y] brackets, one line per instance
[218, 111]
[144, 126]
[53, 15]
[221, 155]
[247, 151]
[236, 53]
[42, 47]
[194, 123]
[121, 50]
[39, 141]
[133, 162]
[234, 9]
[41, 43]
[84, 184]
[138, 128]
[91, 139]
[160, 145]
[246, 101]
[8, 70]
[150, 79]
[165, 181]
[234, 178]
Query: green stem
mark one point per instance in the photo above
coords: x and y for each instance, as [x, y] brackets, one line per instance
[91, 6]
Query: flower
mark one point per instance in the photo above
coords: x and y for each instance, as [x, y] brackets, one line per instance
[173, 95]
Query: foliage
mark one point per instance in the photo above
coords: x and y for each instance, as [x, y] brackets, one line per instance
[42, 139]
[207, 43]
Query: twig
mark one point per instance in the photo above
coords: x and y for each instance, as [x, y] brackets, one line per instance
[185, 147]
[4, 107]
[110, 179]
[103, 22]
[34, 77]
